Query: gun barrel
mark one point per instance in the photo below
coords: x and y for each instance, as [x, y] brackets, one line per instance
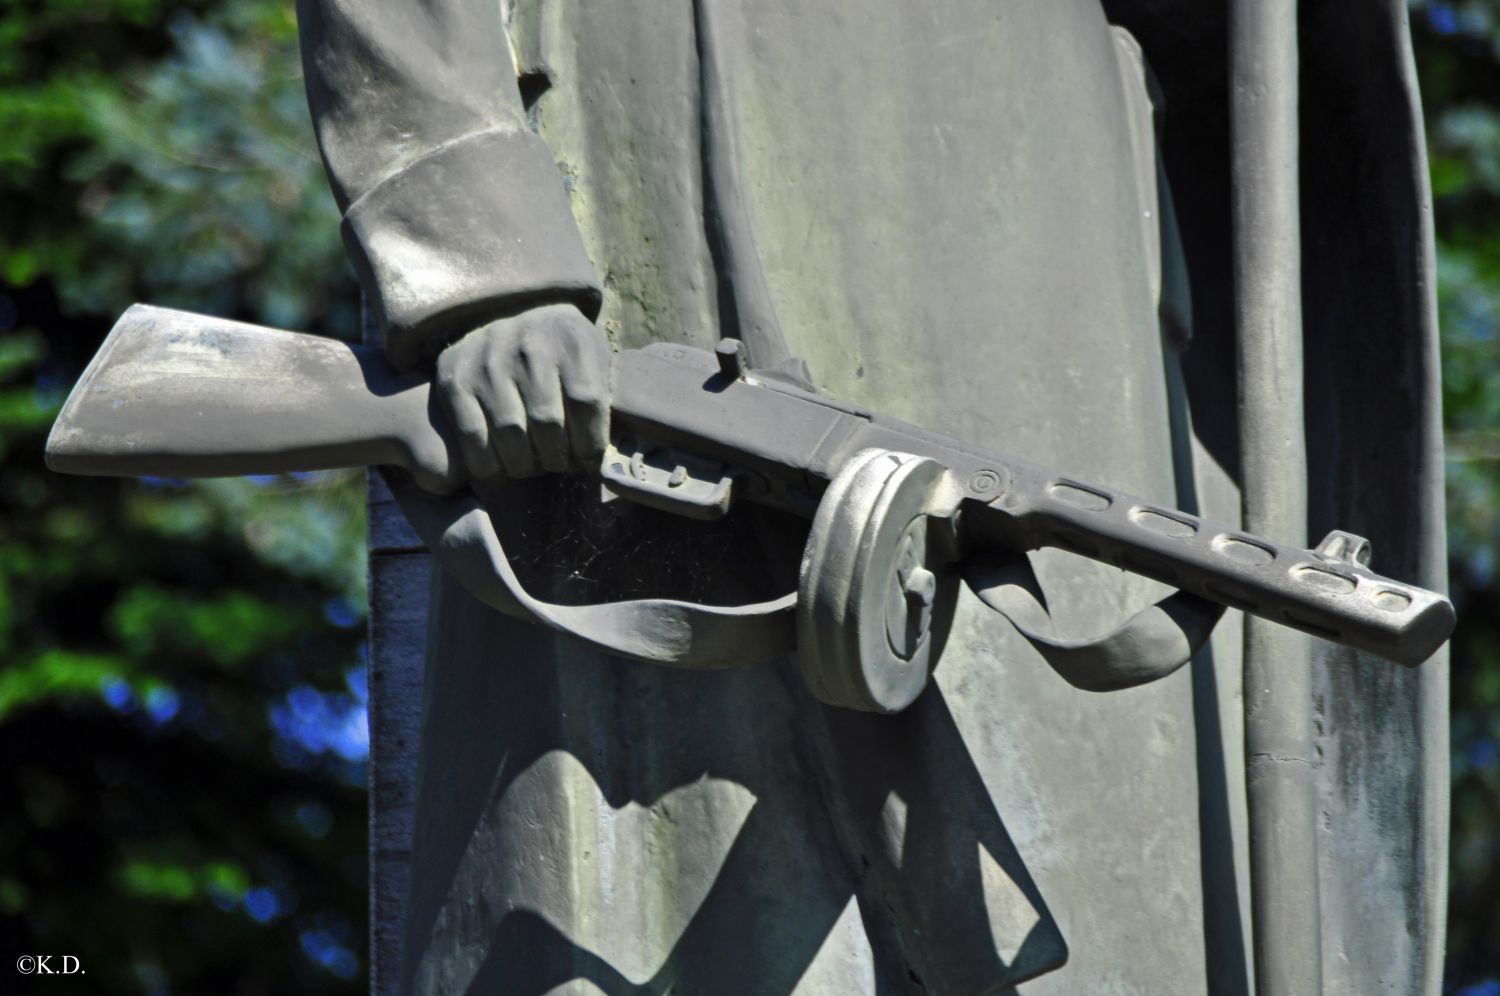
[1320, 592]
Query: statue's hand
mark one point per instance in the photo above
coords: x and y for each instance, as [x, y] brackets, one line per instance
[528, 394]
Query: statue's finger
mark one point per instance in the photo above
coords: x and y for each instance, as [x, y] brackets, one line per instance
[586, 395]
[509, 434]
[586, 434]
[473, 429]
[546, 420]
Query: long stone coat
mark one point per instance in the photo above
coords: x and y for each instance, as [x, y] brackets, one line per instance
[954, 213]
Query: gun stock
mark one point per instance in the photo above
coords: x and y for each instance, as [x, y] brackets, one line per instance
[174, 394]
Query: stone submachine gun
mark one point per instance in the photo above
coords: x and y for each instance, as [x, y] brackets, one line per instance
[895, 508]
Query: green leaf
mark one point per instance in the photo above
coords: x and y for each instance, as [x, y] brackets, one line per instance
[56, 676]
[159, 881]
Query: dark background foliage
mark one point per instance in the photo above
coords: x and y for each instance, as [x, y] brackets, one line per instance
[182, 723]
[1458, 58]
[181, 665]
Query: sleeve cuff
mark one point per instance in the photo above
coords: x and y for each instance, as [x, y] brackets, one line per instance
[476, 229]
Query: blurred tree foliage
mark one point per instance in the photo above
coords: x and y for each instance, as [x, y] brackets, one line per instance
[182, 696]
[1458, 58]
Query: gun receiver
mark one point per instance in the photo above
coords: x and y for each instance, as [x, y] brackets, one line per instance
[182, 395]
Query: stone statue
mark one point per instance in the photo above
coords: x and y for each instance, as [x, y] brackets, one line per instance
[859, 186]
[1006, 222]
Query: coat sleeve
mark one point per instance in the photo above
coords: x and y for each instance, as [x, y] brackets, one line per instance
[454, 211]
